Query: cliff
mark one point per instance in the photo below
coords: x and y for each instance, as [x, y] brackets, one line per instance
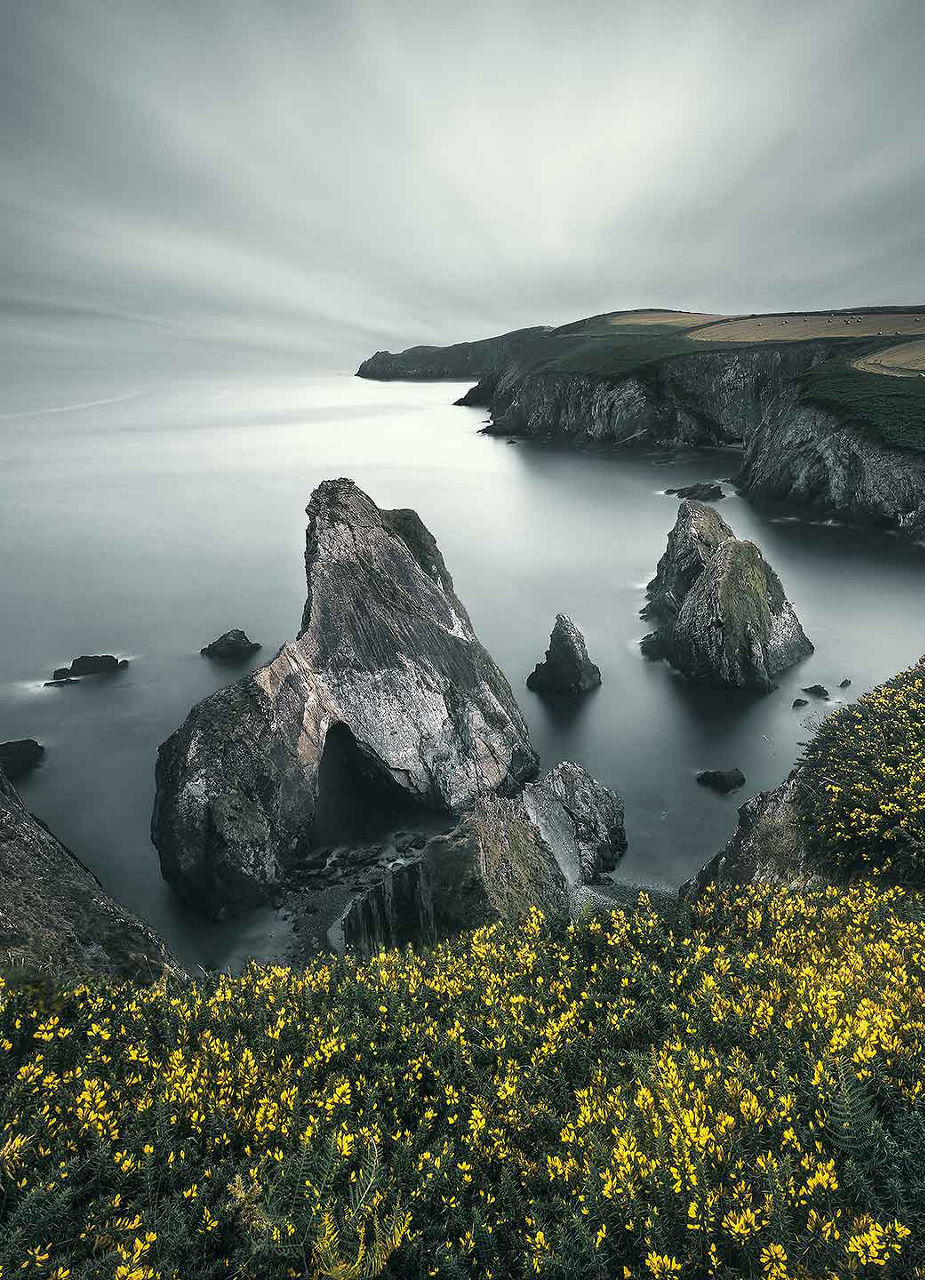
[681, 393]
[55, 917]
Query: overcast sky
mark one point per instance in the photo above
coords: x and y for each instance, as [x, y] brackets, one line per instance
[310, 181]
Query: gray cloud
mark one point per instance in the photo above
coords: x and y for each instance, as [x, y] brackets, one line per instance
[305, 181]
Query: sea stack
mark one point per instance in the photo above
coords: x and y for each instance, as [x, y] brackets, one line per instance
[386, 666]
[566, 669]
[723, 613]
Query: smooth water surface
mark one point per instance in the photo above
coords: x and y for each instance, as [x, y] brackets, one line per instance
[149, 523]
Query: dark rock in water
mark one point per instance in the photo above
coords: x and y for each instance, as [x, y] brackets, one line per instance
[98, 664]
[567, 668]
[844, 684]
[56, 920]
[544, 848]
[233, 646]
[726, 618]
[388, 659]
[817, 690]
[692, 543]
[19, 756]
[800, 702]
[703, 492]
[50, 684]
[721, 780]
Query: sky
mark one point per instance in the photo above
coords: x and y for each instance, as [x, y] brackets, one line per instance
[303, 182]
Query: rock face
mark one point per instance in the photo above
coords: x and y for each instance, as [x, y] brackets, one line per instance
[726, 618]
[540, 848]
[692, 543]
[462, 360]
[567, 669]
[721, 780]
[768, 846]
[19, 757]
[97, 664]
[55, 917]
[817, 690]
[801, 453]
[386, 663]
[233, 646]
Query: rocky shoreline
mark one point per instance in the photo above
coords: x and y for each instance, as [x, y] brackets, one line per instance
[794, 451]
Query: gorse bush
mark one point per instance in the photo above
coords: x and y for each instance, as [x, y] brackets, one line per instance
[863, 781]
[738, 1093]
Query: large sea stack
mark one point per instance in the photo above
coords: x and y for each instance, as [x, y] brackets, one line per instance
[723, 613]
[566, 669]
[386, 668]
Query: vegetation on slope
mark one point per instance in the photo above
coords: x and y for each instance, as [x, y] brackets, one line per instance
[884, 408]
[864, 781]
[739, 1093]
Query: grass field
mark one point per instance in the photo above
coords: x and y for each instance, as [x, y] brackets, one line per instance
[799, 326]
[905, 360]
[887, 409]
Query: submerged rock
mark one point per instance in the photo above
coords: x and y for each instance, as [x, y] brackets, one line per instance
[20, 756]
[844, 684]
[726, 618]
[540, 848]
[388, 658]
[705, 491]
[567, 669]
[721, 780]
[800, 702]
[233, 646]
[56, 920]
[817, 690]
[97, 664]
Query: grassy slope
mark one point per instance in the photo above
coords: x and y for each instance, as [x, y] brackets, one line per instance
[887, 409]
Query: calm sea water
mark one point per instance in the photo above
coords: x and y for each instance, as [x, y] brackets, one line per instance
[149, 523]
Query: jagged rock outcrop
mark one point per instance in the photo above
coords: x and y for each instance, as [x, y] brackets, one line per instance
[233, 646]
[692, 542]
[388, 658]
[768, 846]
[461, 360]
[20, 757]
[541, 848]
[566, 669]
[56, 920]
[726, 619]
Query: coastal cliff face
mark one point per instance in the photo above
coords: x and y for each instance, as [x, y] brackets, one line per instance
[386, 665]
[801, 453]
[462, 360]
[706, 398]
[795, 451]
[55, 916]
